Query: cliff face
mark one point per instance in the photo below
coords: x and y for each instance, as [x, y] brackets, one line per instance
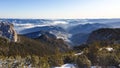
[7, 31]
[105, 34]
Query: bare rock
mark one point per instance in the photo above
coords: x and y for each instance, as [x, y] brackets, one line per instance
[7, 30]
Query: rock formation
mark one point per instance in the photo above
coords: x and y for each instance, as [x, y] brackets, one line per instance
[7, 31]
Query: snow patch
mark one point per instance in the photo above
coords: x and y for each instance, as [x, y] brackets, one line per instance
[109, 49]
[79, 53]
[67, 66]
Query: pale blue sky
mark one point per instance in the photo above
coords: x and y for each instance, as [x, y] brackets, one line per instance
[59, 8]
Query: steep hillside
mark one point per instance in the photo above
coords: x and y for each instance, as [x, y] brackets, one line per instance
[26, 46]
[105, 34]
[80, 38]
[37, 34]
[86, 28]
[43, 28]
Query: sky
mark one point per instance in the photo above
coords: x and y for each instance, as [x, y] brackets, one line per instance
[52, 9]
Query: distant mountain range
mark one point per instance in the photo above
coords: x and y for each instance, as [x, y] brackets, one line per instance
[54, 42]
[73, 31]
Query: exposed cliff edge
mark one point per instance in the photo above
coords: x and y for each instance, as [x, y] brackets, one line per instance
[7, 31]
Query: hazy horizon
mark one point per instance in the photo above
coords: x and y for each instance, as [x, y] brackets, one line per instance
[60, 9]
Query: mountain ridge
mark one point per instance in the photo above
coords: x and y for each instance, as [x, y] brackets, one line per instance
[105, 34]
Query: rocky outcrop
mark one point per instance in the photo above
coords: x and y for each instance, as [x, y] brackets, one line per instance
[105, 34]
[7, 31]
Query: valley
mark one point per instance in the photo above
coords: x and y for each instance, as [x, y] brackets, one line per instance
[42, 43]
